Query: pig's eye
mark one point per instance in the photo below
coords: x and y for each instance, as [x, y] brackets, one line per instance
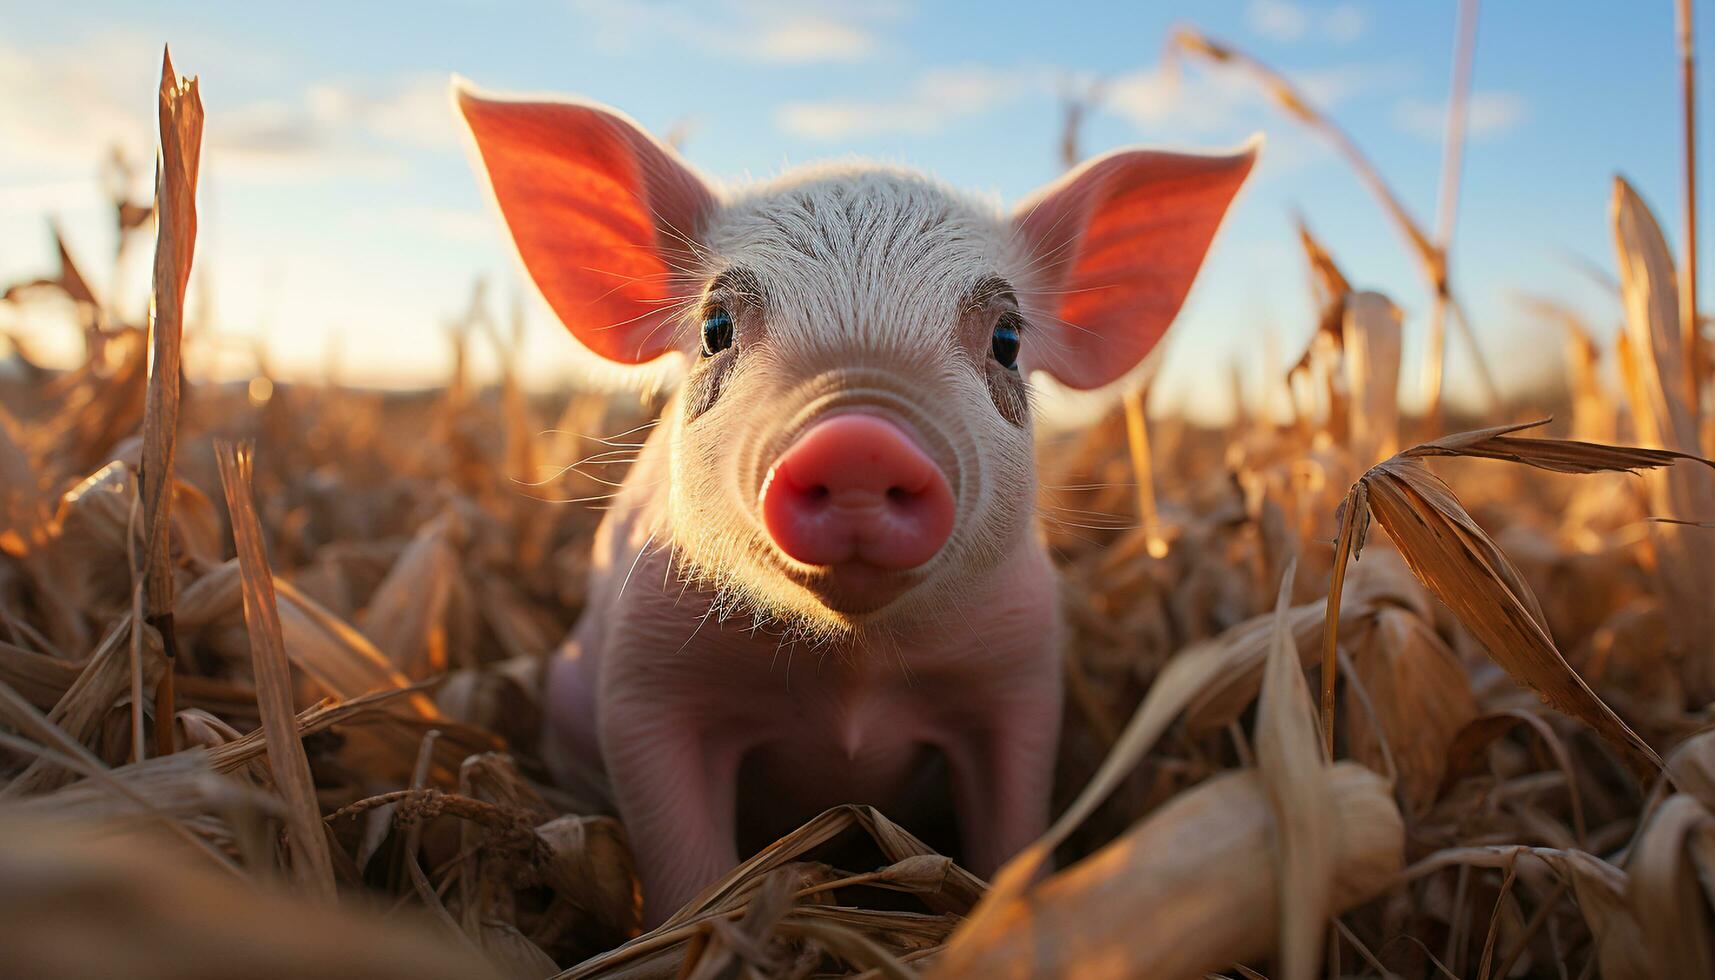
[717, 332]
[1005, 342]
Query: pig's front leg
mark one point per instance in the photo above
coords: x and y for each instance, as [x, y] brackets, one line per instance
[674, 789]
[1003, 775]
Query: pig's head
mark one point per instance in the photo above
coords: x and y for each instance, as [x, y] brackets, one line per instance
[852, 439]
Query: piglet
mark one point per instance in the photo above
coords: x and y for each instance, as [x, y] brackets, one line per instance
[825, 567]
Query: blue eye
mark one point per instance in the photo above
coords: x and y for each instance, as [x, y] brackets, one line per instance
[1006, 342]
[717, 332]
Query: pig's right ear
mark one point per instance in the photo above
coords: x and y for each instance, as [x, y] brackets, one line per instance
[605, 217]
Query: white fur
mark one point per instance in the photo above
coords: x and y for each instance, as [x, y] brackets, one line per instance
[865, 268]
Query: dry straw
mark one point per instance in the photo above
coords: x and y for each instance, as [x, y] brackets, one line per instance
[339, 637]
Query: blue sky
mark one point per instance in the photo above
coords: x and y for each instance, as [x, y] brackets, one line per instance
[339, 208]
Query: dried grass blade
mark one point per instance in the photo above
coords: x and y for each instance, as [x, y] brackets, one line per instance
[147, 912]
[1372, 346]
[1695, 368]
[1664, 417]
[1447, 197]
[406, 617]
[24, 514]
[70, 278]
[311, 862]
[1554, 455]
[1431, 260]
[1670, 903]
[1294, 775]
[181, 118]
[850, 945]
[894, 842]
[1458, 562]
[57, 748]
[1143, 470]
[19, 714]
[1600, 889]
[1420, 699]
[1188, 677]
[1354, 518]
[1331, 285]
[41, 678]
[104, 679]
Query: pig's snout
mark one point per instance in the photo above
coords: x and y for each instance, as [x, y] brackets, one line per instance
[856, 488]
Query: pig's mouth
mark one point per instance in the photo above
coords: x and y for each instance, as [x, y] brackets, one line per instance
[856, 588]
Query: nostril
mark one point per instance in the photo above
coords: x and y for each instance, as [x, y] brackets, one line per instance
[899, 496]
[817, 494]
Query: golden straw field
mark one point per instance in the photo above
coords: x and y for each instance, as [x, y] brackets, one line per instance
[1350, 691]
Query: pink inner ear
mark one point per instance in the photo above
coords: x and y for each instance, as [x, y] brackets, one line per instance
[1118, 243]
[601, 213]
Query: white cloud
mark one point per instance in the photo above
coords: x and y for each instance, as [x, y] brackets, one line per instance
[1278, 20]
[95, 101]
[1345, 23]
[812, 40]
[1167, 100]
[1287, 21]
[773, 31]
[104, 89]
[938, 97]
[1488, 114]
[329, 129]
[414, 110]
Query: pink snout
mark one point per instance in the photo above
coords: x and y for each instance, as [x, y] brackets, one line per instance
[855, 488]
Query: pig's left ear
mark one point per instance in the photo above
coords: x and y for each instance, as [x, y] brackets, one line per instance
[604, 216]
[1113, 248]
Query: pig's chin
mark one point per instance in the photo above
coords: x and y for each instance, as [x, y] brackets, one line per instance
[856, 589]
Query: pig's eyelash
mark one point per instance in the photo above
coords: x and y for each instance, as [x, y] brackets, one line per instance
[672, 315]
[1047, 341]
[673, 320]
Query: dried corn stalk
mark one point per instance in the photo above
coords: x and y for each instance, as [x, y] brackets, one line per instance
[1372, 355]
[311, 863]
[1168, 898]
[1665, 418]
[154, 914]
[1455, 559]
[175, 243]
